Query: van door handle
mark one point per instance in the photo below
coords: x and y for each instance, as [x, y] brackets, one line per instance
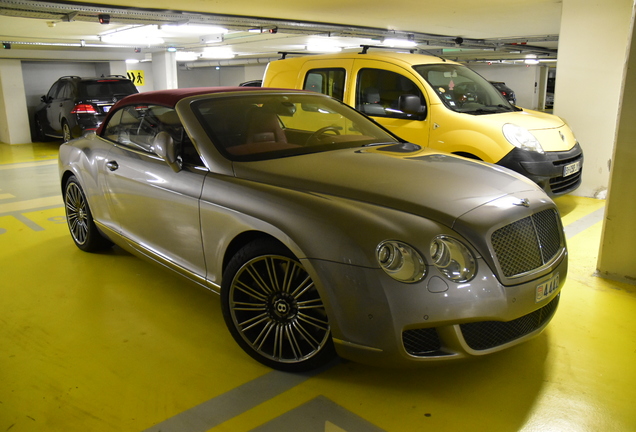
[112, 165]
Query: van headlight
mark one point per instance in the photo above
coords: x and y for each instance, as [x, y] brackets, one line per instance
[400, 261]
[453, 259]
[521, 138]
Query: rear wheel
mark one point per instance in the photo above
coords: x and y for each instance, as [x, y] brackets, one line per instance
[80, 220]
[273, 309]
[67, 135]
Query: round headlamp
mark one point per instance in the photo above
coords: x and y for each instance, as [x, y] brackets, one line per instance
[400, 261]
[453, 259]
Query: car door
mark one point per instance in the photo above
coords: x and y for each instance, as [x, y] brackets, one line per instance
[378, 90]
[54, 107]
[156, 208]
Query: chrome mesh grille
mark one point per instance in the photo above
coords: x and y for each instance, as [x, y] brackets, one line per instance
[421, 342]
[489, 334]
[528, 243]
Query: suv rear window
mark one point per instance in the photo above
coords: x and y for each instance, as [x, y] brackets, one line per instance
[106, 88]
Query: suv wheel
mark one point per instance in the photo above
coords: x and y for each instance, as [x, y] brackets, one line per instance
[67, 135]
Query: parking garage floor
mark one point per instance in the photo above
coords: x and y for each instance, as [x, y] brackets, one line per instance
[108, 342]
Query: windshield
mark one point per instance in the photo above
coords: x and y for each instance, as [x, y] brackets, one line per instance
[265, 125]
[463, 90]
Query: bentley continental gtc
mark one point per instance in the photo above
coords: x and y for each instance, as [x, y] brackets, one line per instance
[324, 234]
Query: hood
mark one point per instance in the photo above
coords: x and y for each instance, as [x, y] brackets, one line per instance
[403, 177]
[529, 119]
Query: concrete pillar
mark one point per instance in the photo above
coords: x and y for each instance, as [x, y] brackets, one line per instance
[164, 70]
[617, 255]
[593, 43]
[14, 117]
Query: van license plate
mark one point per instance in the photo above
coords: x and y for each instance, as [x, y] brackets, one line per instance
[545, 289]
[572, 168]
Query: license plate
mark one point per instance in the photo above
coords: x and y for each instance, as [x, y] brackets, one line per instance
[545, 289]
[572, 168]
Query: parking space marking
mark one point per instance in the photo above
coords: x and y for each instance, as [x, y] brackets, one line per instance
[319, 415]
[584, 223]
[6, 196]
[226, 406]
[32, 204]
[28, 164]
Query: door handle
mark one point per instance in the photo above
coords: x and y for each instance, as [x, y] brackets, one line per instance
[112, 165]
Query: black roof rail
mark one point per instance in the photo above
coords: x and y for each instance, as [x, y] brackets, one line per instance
[117, 76]
[365, 48]
[284, 54]
[70, 76]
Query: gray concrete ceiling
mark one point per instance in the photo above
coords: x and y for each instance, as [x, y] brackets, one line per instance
[460, 29]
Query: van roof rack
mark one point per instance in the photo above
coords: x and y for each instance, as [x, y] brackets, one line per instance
[365, 48]
[284, 54]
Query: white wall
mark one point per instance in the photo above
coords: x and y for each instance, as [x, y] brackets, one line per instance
[593, 45]
[14, 119]
[523, 79]
[214, 76]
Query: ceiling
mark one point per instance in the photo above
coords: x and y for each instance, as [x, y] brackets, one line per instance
[466, 30]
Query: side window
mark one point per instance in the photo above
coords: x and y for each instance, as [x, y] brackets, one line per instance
[383, 93]
[326, 81]
[54, 90]
[136, 126]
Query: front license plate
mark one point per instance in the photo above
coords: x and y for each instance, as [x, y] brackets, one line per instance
[547, 288]
[572, 168]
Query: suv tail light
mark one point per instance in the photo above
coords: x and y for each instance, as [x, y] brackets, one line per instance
[84, 109]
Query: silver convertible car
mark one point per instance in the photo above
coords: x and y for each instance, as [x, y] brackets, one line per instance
[324, 234]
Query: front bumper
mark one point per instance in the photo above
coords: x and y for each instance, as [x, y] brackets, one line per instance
[377, 320]
[547, 169]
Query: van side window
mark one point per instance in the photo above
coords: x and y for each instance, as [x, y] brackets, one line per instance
[326, 81]
[382, 93]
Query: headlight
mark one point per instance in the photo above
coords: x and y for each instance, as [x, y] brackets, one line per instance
[521, 138]
[400, 261]
[453, 259]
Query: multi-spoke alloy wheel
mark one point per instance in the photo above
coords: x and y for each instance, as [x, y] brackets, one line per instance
[274, 310]
[80, 222]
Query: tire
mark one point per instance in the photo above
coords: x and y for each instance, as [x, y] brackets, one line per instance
[80, 219]
[40, 136]
[67, 135]
[273, 309]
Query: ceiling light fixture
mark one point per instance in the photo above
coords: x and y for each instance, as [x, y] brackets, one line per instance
[218, 53]
[399, 43]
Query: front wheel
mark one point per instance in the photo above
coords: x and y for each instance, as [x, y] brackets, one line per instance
[273, 309]
[80, 220]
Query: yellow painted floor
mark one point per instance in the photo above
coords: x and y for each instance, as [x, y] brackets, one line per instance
[107, 342]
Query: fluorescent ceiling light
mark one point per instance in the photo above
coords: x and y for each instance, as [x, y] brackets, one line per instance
[186, 56]
[323, 45]
[137, 36]
[399, 43]
[132, 61]
[193, 29]
[223, 52]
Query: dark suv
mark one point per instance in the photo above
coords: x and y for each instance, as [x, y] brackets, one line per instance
[74, 105]
[506, 91]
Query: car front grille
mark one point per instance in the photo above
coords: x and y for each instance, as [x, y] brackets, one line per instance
[528, 243]
[421, 342]
[489, 334]
[561, 185]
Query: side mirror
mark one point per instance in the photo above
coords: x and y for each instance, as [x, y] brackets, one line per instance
[411, 104]
[44, 99]
[164, 146]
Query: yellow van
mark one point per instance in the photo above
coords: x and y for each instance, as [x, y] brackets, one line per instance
[444, 105]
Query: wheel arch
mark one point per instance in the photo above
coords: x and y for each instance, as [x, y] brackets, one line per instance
[243, 239]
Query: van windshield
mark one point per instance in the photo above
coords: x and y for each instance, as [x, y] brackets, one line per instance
[463, 90]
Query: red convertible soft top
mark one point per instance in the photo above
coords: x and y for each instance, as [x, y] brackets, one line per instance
[170, 98]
